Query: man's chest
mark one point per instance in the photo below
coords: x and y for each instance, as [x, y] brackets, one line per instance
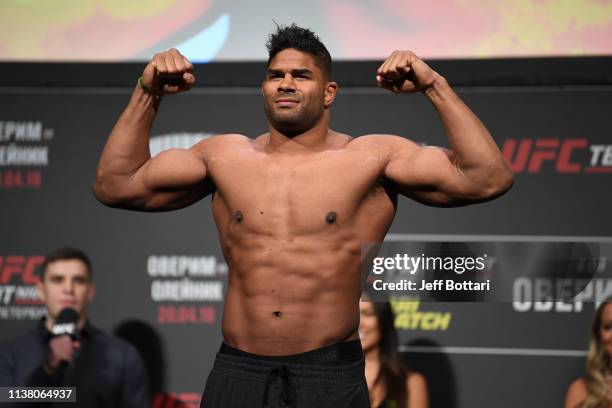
[341, 178]
[324, 189]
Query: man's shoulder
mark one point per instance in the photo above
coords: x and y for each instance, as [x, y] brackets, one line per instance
[113, 342]
[230, 137]
[21, 341]
[222, 144]
[221, 140]
[380, 139]
[383, 144]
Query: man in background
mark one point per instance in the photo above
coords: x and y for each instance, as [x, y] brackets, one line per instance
[106, 371]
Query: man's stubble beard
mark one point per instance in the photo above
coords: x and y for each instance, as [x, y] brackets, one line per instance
[296, 121]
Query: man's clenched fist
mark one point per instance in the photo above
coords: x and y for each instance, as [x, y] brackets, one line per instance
[168, 72]
[404, 72]
[61, 349]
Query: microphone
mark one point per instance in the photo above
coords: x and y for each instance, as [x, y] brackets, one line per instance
[66, 324]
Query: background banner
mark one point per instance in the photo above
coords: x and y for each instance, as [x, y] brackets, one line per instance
[161, 277]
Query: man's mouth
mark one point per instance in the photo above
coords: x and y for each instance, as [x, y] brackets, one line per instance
[286, 101]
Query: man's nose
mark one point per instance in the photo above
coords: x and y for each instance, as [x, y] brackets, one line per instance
[287, 84]
[69, 286]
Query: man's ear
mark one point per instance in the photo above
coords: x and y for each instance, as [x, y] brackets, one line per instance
[91, 292]
[331, 89]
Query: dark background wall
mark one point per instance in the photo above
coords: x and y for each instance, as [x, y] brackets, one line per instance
[489, 354]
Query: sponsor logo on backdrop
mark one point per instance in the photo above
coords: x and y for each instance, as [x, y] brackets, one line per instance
[547, 290]
[562, 295]
[18, 278]
[173, 400]
[566, 156]
[409, 316]
[24, 153]
[187, 289]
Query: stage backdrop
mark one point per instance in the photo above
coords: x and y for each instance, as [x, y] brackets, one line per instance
[232, 30]
[161, 277]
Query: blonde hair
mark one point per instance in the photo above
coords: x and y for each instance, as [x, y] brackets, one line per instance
[598, 365]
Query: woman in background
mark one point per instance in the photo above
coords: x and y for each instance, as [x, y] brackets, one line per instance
[390, 383]
[594, 390]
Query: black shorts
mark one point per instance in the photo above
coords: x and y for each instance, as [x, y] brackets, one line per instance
[331, 376]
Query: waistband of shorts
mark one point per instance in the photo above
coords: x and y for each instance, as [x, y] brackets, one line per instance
[344, 373]
[329, 355]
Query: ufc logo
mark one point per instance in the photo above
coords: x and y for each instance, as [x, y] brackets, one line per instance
[22, 266]
[530, 155]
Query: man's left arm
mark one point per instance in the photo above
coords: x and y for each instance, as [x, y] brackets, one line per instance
[473, 170]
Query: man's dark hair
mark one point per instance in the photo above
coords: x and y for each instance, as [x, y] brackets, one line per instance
[301, 39]
[64, 254]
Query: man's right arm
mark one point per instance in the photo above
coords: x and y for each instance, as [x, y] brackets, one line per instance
[127, 177]
[7, 366]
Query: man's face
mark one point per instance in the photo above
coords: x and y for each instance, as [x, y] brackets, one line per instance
[296, 92]
[66, 284]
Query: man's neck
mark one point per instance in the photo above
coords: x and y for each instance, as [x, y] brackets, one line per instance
[312, 140]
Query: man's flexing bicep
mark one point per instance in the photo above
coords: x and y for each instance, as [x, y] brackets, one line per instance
[127, 177]
[474, 170]
[431, 174]
[173, 179]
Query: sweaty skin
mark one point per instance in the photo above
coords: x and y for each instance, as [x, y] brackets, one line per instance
[294, 206]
